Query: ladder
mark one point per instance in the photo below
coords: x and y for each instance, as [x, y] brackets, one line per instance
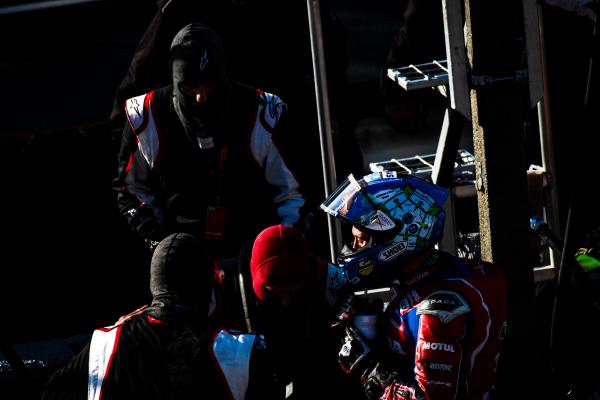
[451, 79]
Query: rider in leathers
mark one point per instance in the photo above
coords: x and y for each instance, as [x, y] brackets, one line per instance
[440, 335]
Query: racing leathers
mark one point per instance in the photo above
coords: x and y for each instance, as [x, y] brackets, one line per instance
[440, 337]
[226, 193]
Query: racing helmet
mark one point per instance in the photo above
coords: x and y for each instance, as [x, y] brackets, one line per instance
[404, 212]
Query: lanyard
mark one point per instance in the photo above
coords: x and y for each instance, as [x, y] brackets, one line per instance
[222, 158]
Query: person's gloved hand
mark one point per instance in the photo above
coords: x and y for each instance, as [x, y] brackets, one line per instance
[355, 355]
[358, 359]
[153, 233]
[346, 309]
[375, 380]
[152, 244]
[150, 229]
[146, 226]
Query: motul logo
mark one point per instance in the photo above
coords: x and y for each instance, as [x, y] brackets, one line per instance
[392, 251]
[438, 346]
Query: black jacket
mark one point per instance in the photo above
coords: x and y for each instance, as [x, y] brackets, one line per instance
[166, 183]
[144, 358]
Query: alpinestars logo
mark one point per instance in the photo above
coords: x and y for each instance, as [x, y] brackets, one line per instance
[204, 61]
[392, 251]
[135, 106]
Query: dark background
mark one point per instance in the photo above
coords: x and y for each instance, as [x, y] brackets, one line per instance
[69, 262]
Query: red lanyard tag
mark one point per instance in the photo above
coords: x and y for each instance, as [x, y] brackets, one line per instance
[215, 223]
[215, 216]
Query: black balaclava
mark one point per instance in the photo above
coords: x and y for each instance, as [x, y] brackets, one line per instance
[197, 56]
[180, 278]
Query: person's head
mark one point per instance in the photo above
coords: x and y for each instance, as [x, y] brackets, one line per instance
[280, 266]
[181, 274]
[198, 61]
[200, 83]
[394, 219]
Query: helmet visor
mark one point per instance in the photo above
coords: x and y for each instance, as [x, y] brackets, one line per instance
[351, 203]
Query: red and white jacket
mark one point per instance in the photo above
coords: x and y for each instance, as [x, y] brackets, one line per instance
[164, 175]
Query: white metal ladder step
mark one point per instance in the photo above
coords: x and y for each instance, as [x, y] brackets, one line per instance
[420, 76]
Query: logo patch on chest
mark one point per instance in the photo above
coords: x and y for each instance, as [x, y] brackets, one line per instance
[444, 304]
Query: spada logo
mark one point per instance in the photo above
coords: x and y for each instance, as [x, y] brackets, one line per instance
[393, 251]
[441, 302]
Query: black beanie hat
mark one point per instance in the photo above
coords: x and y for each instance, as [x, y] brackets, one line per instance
[181, 272]
[197, 55]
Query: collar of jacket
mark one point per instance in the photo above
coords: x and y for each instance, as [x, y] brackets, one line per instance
[169, 311]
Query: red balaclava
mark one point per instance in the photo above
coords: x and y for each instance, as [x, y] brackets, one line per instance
[280, 258]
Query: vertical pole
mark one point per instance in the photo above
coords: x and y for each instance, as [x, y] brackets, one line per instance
[455, 54]
[457, 110]
[495, 48]
[325, 131]
[551, 212]
[443, 172]
[539, 98]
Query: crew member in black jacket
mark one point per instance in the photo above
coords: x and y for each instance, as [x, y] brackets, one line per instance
[161, 353]
[203, 155]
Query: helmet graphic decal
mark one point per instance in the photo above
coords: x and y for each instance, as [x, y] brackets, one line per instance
[380, 222]
[417, 212]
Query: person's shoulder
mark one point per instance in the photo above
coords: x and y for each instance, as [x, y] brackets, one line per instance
[445, 304]
[240, 89]
[475, 271]
[137, 106]
[243, 96]
[130, 322]
[481, 267]
[164, 91]
[162, 94]
[486, 277]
